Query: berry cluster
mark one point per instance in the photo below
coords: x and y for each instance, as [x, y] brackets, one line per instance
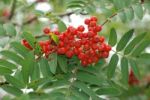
[132, 79]
[88, 46]
[47, 47]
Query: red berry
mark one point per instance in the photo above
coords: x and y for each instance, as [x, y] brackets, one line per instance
[69, 54]
[80, 28]
[101, 39]
[61, 50]
[84, 63]
[105, 54]
[98, 28]
[26, 44]
[93, 23]
[107, 48]
[46, 30]
[87, 21]
[93, 18]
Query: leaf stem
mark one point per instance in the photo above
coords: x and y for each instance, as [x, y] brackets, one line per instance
[12, 9]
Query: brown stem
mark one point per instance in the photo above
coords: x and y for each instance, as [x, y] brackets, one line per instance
[30, 20]
[12, 9]
[107, 20]
[3, 83]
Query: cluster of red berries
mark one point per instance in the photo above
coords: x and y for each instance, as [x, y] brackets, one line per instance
[132, 79]
[88, 46]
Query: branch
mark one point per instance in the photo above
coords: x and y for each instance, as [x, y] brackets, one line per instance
[12, 9]
[30, 20]
[121, 10]
[107, 20]
[3, 83]
[40, 36]
[60, 15]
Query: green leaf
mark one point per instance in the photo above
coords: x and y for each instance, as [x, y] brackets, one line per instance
[129, 14]
[5, 71]
[2, 30]
[147, 5]
[30, 38]
[61, 26]
[27, 66]
[7, 64]
[80, 94]
[133, 43]
[140, 47]
[111, 91]
[122, 16]
[124, 69]
[7, 1]
[90, 9]
[37, 96]
[91, 69]
[124, 40]
[89, 78]
[85, 89]
[112, 66]
[38, 12]
[36, 72]
[78, 1]
[74, 6]
[12, 90]
[39, 82]
[37, 49]
[19, 75]
[53, 62]
[44, 67]
[55, 38]
[24, 97]
[22, 50]
[62, 61]
[138, 10]
[15, 82]
[135, 68]
[12, 56]
[10, 29]
[118, 4]
[112, 37]
[144, 56]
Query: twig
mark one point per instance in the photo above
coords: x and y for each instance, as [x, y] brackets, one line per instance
[30, 20]
[12, 9]
[40, 36]
[60, 15]
[3, 83]
[107, 20]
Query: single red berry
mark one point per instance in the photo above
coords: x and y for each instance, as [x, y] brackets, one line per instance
[61, 50]
[101, 39]
[81, 56]
[46, 30]
[98, 28]
[80, 28]
[93, 18]
[107, 48]
[87, 21]
[93, 23]
[84, 63]
[105, 54]
[69, 54]
[26, 44]
[56, 32]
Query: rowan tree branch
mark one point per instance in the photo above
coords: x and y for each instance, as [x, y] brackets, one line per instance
[12, 9]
